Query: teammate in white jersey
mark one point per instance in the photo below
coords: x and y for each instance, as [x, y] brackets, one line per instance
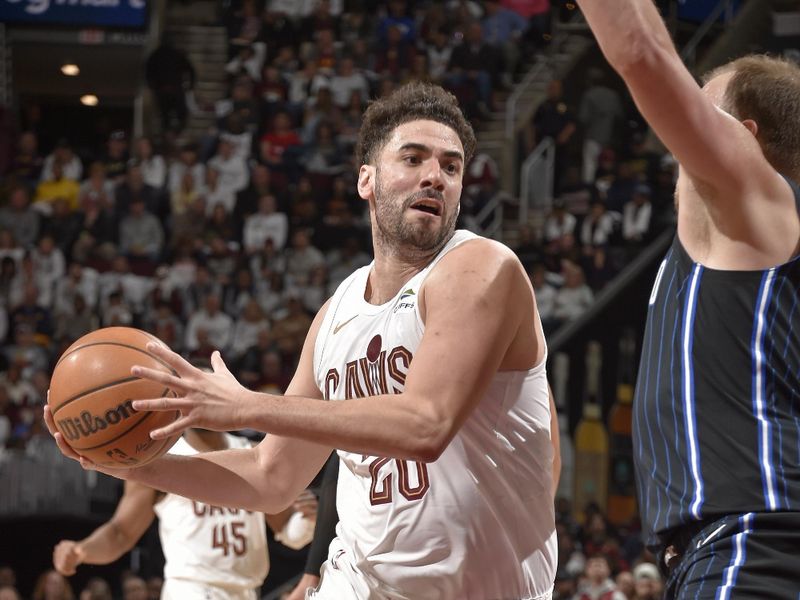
[444, 434]
[212, 553]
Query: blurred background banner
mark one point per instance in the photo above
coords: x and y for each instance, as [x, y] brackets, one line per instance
[107, 13]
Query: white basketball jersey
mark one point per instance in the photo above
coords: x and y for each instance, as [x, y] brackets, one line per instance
[478, 523]
[222, 547]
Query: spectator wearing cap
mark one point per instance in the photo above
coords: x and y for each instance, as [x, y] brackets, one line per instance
[647, 582]
[71, 167]
[636, 216]
[116, 157]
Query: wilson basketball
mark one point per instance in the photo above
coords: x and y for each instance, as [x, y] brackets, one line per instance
[91, 392]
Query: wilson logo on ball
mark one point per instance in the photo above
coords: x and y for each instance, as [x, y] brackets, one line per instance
[88, 424]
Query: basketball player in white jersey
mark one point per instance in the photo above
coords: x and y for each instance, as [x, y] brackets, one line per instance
[432, 362]
[211, 553]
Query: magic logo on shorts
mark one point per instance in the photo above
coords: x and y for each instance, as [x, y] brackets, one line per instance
[378, 372]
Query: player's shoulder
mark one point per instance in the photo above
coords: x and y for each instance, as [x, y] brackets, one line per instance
[482, 261]
[480, 253]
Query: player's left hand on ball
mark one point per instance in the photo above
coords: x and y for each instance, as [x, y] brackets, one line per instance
[65, 448]
[205, 400]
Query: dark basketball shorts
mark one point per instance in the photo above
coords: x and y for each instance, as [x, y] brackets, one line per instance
[754, 556]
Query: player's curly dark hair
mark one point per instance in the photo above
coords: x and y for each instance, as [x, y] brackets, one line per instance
[413, 101]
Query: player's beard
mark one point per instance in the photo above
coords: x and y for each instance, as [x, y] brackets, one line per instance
[397, 232]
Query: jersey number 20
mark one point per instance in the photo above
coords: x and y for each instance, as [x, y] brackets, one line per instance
[380, 492]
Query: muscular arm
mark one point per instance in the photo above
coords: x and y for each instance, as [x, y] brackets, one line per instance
[711, 145]
[475, 302]
[107, 543]
[449, 375]
[265, 479]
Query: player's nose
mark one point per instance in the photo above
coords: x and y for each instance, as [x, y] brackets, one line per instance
[432, 175]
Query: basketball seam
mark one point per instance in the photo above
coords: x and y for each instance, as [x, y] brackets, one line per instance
[92, 391]
[158, 360]
[157, 453]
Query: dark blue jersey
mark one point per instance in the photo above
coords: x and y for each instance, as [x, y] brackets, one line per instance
[717, 407]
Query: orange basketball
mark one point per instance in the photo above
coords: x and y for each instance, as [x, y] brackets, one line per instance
[91, 393]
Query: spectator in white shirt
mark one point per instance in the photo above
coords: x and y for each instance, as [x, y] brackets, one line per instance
[80, 280]
[71, 165]
[574, 297]
[250, 59]
[636, 215]
[154, 169]
[232, 168]
[597, 227]
[215, 194]
[559, 223]
[266, 224]
[49, 264]
[247, 329]
[302, 258]
[545, 294]
[187, 163]
[216, 323]
[346, 81]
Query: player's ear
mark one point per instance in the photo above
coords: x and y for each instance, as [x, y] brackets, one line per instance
[751, 126]
[366, 181]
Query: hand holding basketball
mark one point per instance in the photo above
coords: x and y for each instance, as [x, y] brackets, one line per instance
[206, 400]
[89, 403]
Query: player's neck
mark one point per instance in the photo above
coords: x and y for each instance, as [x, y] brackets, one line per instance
[387, 277]
[394, 266]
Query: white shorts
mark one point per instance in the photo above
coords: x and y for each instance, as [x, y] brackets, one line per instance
[339, 580]
[183, 589]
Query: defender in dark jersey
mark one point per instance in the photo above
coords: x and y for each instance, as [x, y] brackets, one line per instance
[717, 407]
